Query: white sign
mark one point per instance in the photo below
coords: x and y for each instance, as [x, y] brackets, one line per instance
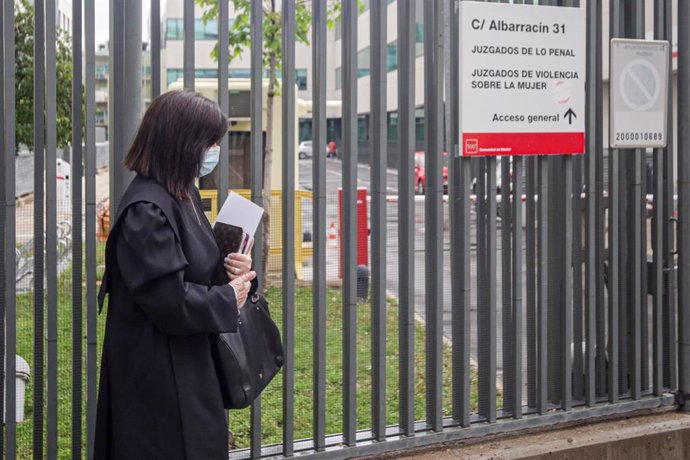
[522, 79]
[639, 93]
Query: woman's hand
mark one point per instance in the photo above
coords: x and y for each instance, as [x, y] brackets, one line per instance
[237, 265]
[242, 285]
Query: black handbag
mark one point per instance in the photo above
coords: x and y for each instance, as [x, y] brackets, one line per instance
[247, 360]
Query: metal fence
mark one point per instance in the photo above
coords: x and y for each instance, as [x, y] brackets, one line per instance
[487, 313]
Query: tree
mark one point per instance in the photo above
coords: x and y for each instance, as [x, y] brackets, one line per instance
[239, 40]
[24, 62]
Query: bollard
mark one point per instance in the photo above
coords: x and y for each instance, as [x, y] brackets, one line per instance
[362, 283]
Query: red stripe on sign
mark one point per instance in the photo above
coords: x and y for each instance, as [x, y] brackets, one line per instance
[489, 144]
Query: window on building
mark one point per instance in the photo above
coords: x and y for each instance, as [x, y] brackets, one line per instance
[206, 73]
[175, 74]
[207, 31]
[305, 129]
[239, 73]
[174, 29]
[420, 124]
[392, 56]
[363, 62]
[301, 79]
[363, 128]
[419, 40]
[393, 126]
[102, 71]
[101, 117]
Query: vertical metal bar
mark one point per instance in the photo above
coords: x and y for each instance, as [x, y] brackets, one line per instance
[319, 45]
[257, 171]
[556, 252]
[288, 230]
[459, 190]
[77, 230]
[433, 83]
[131, 74]
[658, 236]
[90, 226]
[627, 306]
[517, 305]
[125, 72]
[483, 352]
[683, 207]
[188, 50]
[578, 284]
[256, 110]
[639, 224]
[491, 293]
[670, 331]
[506, 288]
[51, 233]
[556, 291]
[592, 192]
[4, 154]
[406, 211]
[349, 230]
[223, 97]
[3, 192]
[39, 210]
[378, 21]
[599, 355]
[115, 89]
[156, 49]
[543, 284]
[567, 323]
[465, 324]
[531, 281]
[8, 336]
[614, 243]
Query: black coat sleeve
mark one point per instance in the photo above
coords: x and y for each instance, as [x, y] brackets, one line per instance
[152, 264]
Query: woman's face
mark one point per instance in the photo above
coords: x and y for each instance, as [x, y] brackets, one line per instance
[210, 160]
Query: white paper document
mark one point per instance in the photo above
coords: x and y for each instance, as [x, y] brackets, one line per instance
[240, 212]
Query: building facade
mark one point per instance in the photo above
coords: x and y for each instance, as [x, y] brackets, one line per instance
[102, 85]
[206, 37]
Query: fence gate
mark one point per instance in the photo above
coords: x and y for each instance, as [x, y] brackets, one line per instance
[444, 298]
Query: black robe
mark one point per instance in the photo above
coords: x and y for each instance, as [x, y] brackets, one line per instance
[159, 396]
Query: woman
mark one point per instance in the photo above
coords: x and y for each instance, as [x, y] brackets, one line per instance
[159, 396]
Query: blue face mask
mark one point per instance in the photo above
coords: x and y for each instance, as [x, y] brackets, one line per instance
[210, 161]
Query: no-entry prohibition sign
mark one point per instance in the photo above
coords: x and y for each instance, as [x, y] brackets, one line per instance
[522, 73]
[639, 93]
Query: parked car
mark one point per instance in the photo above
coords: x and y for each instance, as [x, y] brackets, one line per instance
[305, 150]
[420, 172]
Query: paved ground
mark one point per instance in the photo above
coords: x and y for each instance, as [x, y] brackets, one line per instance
[643, 437]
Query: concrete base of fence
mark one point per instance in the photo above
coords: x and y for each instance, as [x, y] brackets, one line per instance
[636, 436]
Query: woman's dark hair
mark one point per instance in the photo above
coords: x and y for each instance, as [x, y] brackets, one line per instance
[177, 129]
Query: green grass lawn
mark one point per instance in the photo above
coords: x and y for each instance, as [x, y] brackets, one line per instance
[272, 398]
